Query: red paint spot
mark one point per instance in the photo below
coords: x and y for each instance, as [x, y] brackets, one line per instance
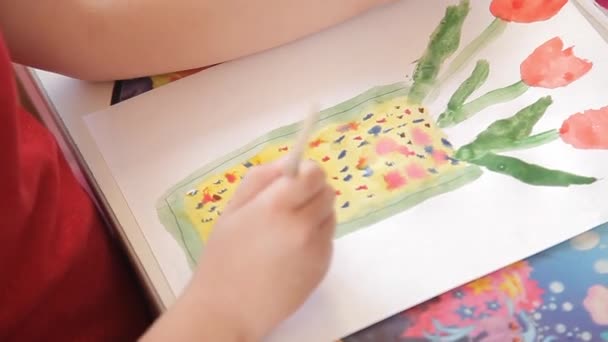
[338, 193]
[394, 180]
[351, 126]
[358, 138]
[381, 121]
[362, 163]
[415, 171]
[440, 157]
[316, 143]
[325, 159]
[362, 187]
[230, 177]
[408, 112]
[385, 146]
[405, 151]
[420, 137]
[207, 198]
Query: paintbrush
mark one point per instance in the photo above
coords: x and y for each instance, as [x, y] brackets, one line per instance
[295, 157]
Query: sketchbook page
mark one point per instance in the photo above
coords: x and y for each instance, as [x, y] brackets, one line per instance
[429, 201]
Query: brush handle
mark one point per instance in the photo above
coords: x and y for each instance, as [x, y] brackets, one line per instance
[294, 159]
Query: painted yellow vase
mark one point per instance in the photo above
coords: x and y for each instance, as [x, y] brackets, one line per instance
[381, 155]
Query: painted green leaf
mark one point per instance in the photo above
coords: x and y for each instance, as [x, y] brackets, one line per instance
[519, 125]
[444, 41]
[510, 133]
[473, 151]
[530, 173]
[478, 77]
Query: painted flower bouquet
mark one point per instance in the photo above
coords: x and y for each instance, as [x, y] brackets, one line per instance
[549, 66]
[384, 152]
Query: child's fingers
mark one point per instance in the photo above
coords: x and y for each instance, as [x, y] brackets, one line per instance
[254, 182]
[292, 193]
[327, 229]
[319, 208]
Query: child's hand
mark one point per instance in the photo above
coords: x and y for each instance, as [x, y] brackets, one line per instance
[269, 250]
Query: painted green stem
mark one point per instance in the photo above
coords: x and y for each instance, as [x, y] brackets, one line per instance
[532, 141]
[489, 99]
[478, 77]
[493, 31]
[470, 152]
[444, 41]
[530, 173]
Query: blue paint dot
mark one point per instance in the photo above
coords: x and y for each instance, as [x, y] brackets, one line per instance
[247, 164]
[445, 142]
[344, 169]
[493, 305]
[339, 140]
[345, 205]
[368, 116]
[368, 172]
[387, 130]
[466, 311]
[458, 294]
[454, 161]
[428, 149]
[348, 178]
[342, 154]
[363, 143]
[375, 130]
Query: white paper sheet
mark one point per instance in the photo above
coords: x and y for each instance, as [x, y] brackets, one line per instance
[157, 139]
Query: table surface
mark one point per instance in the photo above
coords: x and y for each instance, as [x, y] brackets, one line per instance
[558, 295]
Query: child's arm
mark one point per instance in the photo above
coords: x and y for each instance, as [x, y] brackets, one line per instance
[116, 39]
[270, 249]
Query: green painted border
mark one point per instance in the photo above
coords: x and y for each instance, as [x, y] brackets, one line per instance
[170, 204]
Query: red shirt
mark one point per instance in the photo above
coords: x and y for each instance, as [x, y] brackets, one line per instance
[62, 278]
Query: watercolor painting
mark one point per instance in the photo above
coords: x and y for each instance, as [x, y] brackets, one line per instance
[383, 150]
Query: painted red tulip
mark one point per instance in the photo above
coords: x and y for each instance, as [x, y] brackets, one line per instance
[552, 66]
[526, 11]
[587, 130]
